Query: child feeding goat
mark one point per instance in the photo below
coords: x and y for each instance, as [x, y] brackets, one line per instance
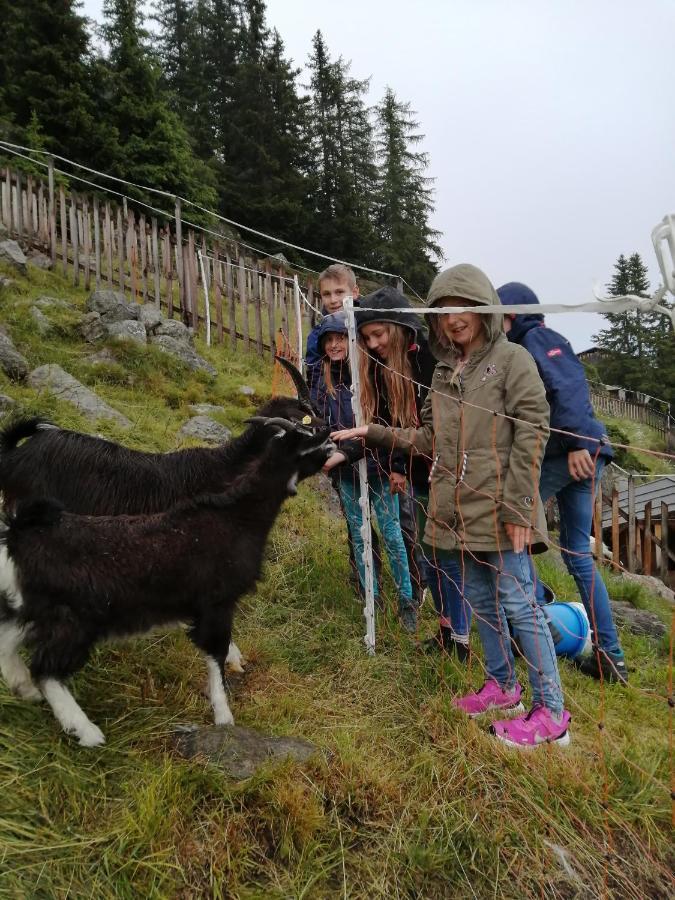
[68, 582]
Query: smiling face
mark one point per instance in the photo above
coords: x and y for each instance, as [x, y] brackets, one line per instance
[376, 336]
[465, 330]
[333, 292]
[336, 346]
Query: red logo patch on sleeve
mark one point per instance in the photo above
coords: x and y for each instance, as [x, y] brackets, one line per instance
[556, 351]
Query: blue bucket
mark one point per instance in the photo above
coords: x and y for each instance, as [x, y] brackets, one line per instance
[570, 628]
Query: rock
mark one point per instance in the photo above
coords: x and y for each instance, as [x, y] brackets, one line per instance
[240, 751]
[182, 351]
[6, 402]
[205, 409]
[150, 316]
[112, 306]
[12, 363]
[39, 260]
[655, 585]
[204, 429]
[128, 330]
[246, 390]
[639, 621]
[3, 230]
[54, 379]
[92, 328]
[44, 326]
[45, 302]
[103, 356]
[11, 252]
[174, 329]
[6, 282]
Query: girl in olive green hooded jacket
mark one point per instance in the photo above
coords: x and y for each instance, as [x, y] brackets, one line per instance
[485, 424]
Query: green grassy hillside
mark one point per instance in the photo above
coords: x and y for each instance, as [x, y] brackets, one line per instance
[407, 798]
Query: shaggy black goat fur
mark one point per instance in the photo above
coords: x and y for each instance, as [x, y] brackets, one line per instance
[68, 582]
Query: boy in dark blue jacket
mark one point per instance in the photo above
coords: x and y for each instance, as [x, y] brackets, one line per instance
[571, 470]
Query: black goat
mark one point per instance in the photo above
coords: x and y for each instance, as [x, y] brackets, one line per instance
[68, 582]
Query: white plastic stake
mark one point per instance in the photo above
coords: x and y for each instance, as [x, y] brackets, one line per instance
[207, 305]
[364, 499]
[298, 323]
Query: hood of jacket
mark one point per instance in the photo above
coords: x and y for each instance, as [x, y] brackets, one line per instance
[516, 292]
[379, 306]
[465, 282]
[335, 323]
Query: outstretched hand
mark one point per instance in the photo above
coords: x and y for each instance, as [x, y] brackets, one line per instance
[349, 434]
[335, 459]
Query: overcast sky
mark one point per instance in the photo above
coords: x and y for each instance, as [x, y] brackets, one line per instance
[550, 125]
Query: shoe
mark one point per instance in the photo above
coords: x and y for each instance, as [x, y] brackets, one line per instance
[605, 666]
[537, 727]
[491, 696]
[408, 618]
[444, 642]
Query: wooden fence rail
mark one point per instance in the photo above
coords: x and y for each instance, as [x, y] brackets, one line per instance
[103, 244]
[628, 409]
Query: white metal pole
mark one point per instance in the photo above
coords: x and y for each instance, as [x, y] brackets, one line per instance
[298, 323]
[207, 306]
[364, 500]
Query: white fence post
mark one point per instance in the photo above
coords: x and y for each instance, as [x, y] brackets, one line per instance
[207, 305]
[364, 499]
[298, 323]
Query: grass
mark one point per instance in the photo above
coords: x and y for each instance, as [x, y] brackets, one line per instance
[406, 799]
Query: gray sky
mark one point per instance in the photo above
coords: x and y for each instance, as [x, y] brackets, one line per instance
[550, 125]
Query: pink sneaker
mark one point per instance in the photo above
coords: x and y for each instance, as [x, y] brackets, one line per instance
[491, 696]
[537, 727]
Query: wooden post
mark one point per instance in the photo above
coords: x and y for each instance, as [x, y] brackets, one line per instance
[120, 249]
[143, 236]
[19, 205]
[155, 258]
[31, 226]
[258, 313]
[632, 558]
[648, 543]
[132, 253]
[64, 228]
[269, 298]
[231, 303]
[243, 302]
[283, 302]
[107, 240]
[97, 241]
[74, 238]
[86, 227]
[7, 200]
[218, 291]
[169, 271]
[52, 212]
[179, 255]
[616, 539]
[663, 568]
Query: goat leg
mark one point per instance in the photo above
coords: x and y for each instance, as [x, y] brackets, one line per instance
[222, 715]
[70, 714]
[14, 669]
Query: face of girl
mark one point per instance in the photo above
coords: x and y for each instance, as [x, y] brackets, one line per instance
[335, 346]
[464, 330]
[376, 338]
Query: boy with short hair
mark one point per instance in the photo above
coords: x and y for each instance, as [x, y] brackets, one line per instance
[335, 284]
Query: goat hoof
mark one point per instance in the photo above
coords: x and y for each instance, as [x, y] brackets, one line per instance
[235, 661]
[28, 691]
[224, 720]
[91, 736]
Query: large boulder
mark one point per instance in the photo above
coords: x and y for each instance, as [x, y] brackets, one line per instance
[92, 328]
[39, 260]
[185, 352]
[46, 302]
[202, 428]
[128, 330]
[174, 329]
[58, 382]
[42, 323]
[150, 316]
[12, 363]
[11, 253]
[112, 306]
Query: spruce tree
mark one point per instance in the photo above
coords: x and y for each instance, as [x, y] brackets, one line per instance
[407, 243]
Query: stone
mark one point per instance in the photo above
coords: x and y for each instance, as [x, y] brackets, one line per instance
[150, 316]
[174, 329]
[639, 621]
[6, 282]
[239, 751]
[103, 356]
[112, 306]
[45, 302]
[44, 326]
[10, 252]
[6, 402]
[205, 409]
[12, 363]
[92, 328]
[246, 390]
[204, 429]
[56, 380]
[182, 351]
[128, 330]
[39, 260]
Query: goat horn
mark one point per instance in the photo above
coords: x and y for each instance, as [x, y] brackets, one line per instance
[275, 420]
[301, 385]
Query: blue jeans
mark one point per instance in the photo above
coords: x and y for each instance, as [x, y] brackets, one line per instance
[385, 507]
[499, 585]
[443, 575]
[575, 502]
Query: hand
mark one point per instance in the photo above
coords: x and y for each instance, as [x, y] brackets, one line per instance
[335, 460]
[397, 483]
[580, 464]
[348, 434]
[519, 535]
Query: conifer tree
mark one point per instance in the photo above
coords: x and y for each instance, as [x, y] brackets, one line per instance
[408, 245]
